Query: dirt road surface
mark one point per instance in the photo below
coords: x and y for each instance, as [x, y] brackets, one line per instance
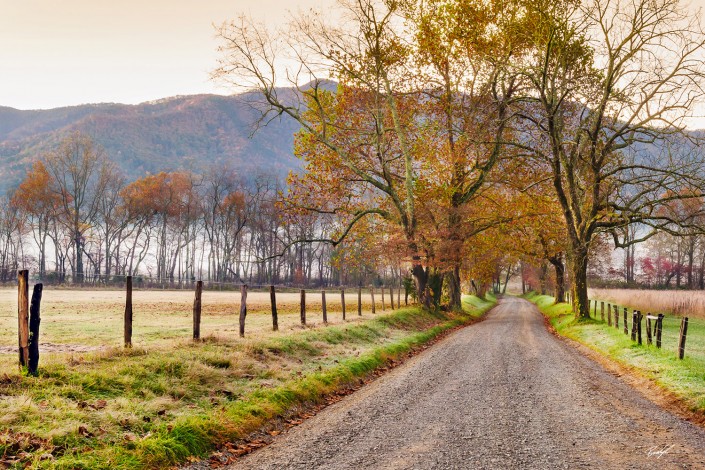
[502, 394]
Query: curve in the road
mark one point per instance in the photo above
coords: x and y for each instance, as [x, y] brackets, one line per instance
[502, 394]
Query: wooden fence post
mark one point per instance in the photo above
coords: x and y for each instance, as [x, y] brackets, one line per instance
[372, 292]
[616, 317]
[382, 289]
[634, 317]
[391, 297]
[649, 340]
[659, 329]
[34, 320]
[128, 312]
[273, 301]
[359, 301]
[603, 317]
[197, 311]
[609, 317]
[303, 306]
[639, 317]
[324, 307]
[23, 316]
[681, 337]
[342, 301]
[626, 324]
[243, 309]
[602, 313]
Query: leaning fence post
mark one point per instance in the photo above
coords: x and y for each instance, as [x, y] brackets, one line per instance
[359, 301]
[324, 307]
[342, 301]
[639, 317]
[659, 329]
[303, 306]
[273, 301]
[34, 321]
[197, 311]
[243, 309]
[128, 312]
[372, 293]
[681, 337]
[649, 341]
[23, 315]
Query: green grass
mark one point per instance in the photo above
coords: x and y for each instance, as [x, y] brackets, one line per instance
[157, 407]
[685, 378]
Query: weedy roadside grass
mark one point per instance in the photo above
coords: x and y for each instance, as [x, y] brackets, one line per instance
[154, 408]
[685, 378]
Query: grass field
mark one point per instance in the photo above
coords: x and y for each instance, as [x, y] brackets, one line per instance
[158, 404]
[676, 302]
[81, 320]
[685, 378]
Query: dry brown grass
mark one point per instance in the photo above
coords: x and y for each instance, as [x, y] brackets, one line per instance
[77, 320]
[676, 302]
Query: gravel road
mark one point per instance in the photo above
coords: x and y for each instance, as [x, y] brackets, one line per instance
[502, 394]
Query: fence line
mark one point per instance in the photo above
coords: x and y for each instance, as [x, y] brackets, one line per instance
[27, 358]
[654, 323]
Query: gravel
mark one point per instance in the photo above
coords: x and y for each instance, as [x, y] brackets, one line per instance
[501, 394]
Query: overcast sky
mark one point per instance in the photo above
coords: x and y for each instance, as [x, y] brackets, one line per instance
[66, 52]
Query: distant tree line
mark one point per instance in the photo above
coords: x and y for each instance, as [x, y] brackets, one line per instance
[75, 218]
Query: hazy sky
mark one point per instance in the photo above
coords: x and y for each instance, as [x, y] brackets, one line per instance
[66, 52]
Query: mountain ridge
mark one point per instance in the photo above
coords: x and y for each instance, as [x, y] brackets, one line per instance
[180, 132]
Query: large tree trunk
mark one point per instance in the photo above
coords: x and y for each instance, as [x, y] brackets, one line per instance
[420, 276]
[557, 263]
[579, 267]
[78, 244]
[453, 280]
[543, 275]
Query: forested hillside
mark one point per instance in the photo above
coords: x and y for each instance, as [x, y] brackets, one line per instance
[185, 132]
